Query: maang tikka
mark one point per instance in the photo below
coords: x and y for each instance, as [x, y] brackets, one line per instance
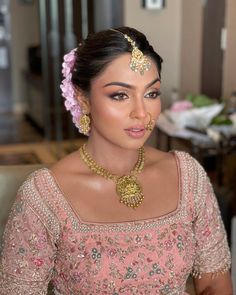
[139, 62]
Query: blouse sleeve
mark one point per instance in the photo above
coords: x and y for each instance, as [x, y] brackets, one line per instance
[212, 250]
[28, 252]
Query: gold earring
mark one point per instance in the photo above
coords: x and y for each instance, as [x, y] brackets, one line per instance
[150, 124]
[84, 124]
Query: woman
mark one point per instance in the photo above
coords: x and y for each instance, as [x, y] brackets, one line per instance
[115, 217]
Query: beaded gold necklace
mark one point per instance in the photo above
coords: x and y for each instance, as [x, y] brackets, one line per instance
[128, 187]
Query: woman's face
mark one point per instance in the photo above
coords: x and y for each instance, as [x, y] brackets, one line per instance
[121, 103]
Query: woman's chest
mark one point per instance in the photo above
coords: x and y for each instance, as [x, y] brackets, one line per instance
[128, 254]
[96, 199]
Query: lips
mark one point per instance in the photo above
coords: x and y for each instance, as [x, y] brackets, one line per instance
[136, 128]
[135, 131]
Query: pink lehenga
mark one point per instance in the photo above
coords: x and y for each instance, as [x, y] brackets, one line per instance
[46, 241]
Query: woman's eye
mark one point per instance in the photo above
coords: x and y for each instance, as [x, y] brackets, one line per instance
[118, 96]
[153, 94]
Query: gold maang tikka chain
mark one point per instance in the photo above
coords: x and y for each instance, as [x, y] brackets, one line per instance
[128, 187]
[139, 62]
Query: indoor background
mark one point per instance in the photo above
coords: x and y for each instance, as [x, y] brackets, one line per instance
[196, 40]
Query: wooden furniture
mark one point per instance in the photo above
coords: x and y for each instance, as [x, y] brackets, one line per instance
[199, 144]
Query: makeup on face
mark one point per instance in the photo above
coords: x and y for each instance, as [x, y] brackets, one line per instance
[120, 101]
[126, 85]
[125, 90]
[137, 131]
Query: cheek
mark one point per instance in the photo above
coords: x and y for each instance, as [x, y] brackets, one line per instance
[156, 110]
[107, 112]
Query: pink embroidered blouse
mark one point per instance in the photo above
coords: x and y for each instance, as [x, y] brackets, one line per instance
[45, 241]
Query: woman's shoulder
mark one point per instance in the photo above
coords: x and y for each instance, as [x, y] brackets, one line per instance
[187, 165]
[38, 188]
[154, 156]
[68, 165]
[37, 195]
[157, 157]
[160, 164]
[33, 181]
[41, 189]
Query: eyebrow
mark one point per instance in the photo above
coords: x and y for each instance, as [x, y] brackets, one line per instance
[122, 84]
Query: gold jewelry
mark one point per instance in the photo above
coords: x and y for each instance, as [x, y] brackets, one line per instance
[138, 61]
[150, 124]
[128, 187]
[84, 124]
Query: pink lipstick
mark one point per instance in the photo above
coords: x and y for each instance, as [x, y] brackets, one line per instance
[135, 131]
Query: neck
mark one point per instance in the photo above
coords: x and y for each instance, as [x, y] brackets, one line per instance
[117, 160]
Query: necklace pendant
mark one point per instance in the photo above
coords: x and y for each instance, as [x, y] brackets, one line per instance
[128, 187]
[129, 190]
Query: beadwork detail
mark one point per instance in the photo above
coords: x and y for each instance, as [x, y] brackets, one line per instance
[139, 63]
[45, 240]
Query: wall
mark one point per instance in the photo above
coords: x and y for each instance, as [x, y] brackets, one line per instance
[24, 33]
[191, 47]
[176, 33]
[111, 12]
[229, 68]
[163, 30]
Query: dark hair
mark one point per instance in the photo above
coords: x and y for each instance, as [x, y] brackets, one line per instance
[99, 49]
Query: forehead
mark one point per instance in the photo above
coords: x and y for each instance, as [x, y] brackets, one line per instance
[119, 71]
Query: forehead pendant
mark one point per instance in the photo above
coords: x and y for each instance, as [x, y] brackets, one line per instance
[139, 62]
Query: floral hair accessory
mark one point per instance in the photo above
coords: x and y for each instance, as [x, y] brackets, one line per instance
[68, 89]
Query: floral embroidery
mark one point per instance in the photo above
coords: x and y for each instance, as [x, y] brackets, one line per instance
[45, 241]
[96, 255]
[155, 270]
[130, 273]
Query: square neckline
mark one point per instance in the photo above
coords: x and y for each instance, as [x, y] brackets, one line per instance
[172, 213]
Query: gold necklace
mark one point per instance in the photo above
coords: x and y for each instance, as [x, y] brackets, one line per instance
[128, 187]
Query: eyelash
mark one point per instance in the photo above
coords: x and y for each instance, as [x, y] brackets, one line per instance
[119, 96]
[154, 94]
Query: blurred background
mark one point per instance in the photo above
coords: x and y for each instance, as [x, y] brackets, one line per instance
[197, 41]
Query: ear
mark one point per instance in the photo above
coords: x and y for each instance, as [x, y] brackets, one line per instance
[83, 101]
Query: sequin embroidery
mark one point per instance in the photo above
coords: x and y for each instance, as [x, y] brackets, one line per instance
[44, 241]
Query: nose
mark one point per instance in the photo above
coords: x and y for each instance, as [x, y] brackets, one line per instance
[138, 110]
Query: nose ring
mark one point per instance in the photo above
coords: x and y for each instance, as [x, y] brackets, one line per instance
[150, 124]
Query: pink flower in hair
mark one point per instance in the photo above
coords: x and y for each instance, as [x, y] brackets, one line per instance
[68, 89]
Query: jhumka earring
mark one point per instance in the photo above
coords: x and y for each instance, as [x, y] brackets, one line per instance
[84, 124]
[139, 62]
[150, 124]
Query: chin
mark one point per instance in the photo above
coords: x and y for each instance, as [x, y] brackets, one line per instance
[134, 144]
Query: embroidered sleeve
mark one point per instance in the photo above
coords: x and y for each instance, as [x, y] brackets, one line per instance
[212, 250]
[28, 252]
